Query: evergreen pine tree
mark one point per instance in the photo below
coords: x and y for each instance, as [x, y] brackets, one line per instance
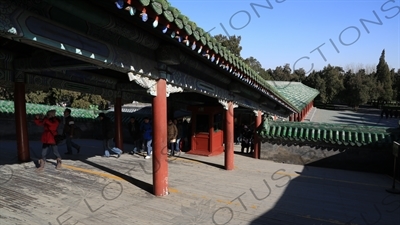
[384, 78]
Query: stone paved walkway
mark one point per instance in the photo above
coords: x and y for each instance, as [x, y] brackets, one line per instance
[367, 117]
[94, 190]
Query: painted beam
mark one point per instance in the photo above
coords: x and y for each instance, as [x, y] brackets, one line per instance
[202, 68]
[43, 81]
[6, 76]
[84, 77]
[6, 59]
[188, 82]
[24, 26]
[103, 19]
[39, 82]
[46, 61]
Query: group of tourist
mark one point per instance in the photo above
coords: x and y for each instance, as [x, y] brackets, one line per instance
[142, 136]
[51, 139]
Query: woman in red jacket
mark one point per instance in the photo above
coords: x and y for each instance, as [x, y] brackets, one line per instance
[50, 123]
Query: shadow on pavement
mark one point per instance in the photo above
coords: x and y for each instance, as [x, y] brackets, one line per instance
[250, 155]
[89, 149]
[204, 162]
[326, 197]
[138, 183]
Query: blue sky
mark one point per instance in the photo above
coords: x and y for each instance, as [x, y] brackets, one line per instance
[293, 31]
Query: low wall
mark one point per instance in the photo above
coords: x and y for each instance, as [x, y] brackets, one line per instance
[377, 159]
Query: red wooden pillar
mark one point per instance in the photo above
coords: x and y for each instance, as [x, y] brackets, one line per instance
[257, 145]
[20, 122]
[160, 160]
[229, 148]
[119, 139]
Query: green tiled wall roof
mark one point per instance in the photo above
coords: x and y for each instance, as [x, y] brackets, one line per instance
[336, 134]
[297, 94]
[7, 107]
[80, 115]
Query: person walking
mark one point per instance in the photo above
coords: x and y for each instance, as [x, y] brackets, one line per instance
[50, 123]
[186, 135]
[172, 133]
[147, 131]
[246, 139]
[179, 137]
[108, 135]
[134, 131]
[68, 132]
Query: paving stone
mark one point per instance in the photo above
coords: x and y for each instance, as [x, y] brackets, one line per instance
[91, 189]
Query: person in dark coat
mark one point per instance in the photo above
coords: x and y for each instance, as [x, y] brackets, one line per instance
[236, 133]
[147, 131]
[172, 133]
[134, 131]
[108, 132]
[185, 135]
[68, 132]
[50, 123]
[179, 137]
[246, 139]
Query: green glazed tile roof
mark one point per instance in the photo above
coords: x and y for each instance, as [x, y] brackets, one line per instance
[335, 134]
[296, 94]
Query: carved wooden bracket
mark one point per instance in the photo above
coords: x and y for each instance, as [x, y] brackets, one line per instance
[173, 89]
[151, 84]
[225, 104]
[256, 112]
[145, 82]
